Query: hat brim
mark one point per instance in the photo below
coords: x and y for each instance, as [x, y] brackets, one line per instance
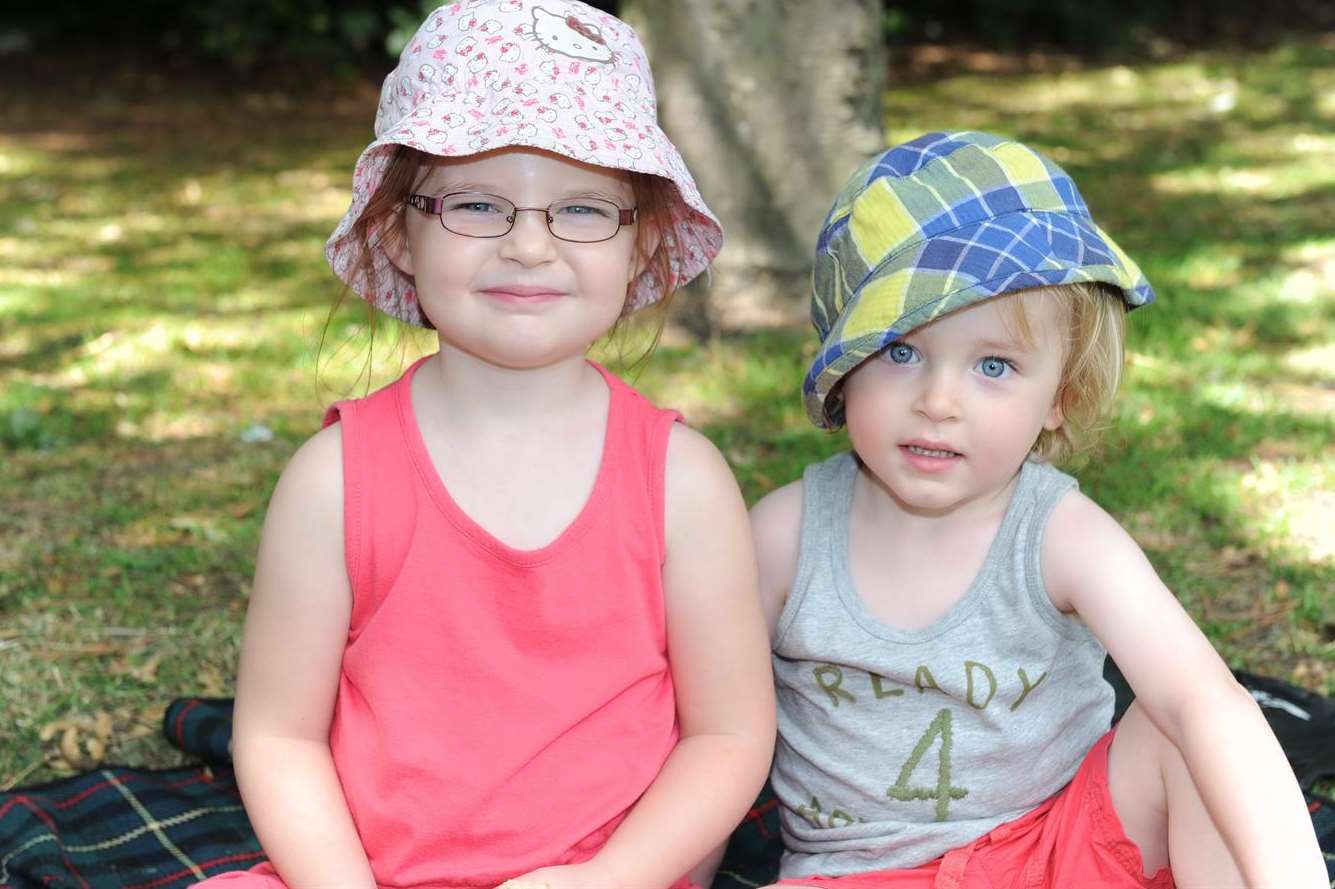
[952, 271]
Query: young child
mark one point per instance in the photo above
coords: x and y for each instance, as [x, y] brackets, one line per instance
[941, 599]
[504, 626]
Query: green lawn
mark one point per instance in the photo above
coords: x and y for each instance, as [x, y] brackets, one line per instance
[163, 295]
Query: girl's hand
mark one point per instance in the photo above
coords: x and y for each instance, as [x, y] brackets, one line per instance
[565, 876]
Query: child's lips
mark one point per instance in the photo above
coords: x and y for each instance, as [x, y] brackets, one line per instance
[526, 293]
[928, 456]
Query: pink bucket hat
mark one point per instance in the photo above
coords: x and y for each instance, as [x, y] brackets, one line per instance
[550, 74]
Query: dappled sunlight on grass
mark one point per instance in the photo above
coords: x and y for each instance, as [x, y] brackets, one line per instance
[1292, 503]
[166, 343]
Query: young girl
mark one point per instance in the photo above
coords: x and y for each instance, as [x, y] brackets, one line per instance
[940, 599]
[504, 624]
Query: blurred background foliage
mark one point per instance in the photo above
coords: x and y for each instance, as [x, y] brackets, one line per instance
[255, 35]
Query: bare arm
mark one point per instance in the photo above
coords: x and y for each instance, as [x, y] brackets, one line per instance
[776, 523]
[1091, 565]
[720, 668]
[296, 629]
[775, 527]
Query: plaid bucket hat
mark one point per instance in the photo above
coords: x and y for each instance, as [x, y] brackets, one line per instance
[937, 224]
[556, 75]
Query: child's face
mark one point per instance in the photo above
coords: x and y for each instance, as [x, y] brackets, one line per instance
[946, 416]
[524, 299]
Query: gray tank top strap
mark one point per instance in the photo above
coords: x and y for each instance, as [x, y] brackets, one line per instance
[827, 495]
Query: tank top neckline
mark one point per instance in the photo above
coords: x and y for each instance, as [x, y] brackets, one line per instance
[466, 524]
[852, 600]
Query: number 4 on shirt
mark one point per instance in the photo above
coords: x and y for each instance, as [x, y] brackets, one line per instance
[943, 792]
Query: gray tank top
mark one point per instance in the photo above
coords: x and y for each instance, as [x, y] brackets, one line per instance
[896, 746]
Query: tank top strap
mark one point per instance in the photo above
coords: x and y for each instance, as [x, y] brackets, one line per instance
[827, 496]
[380, 501]
[1017, 554]
[635, 449]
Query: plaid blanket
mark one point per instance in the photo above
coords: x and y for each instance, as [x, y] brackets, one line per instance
[124, 828]
[134, 828]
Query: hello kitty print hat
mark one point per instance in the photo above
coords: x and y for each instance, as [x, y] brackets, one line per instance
[550, 74]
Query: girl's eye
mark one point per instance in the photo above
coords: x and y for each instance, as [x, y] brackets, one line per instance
[473, 207]
[901, 353]
[597, 210]
[993, 367]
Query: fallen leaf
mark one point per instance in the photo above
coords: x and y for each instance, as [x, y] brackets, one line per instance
[102, 725]
[51, 729]
[69, 747]
[97, 751]
[148, 670]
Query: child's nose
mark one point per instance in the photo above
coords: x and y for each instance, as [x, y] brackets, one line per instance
[938, 397]
[530, 241]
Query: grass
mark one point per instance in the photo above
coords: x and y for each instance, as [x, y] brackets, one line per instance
[163, 295]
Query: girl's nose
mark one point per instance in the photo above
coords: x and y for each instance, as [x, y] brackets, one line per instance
[530, 241]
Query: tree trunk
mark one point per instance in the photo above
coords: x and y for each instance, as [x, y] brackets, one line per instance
[772, 103]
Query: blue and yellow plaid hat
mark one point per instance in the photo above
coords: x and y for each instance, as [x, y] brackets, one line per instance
[937, 224]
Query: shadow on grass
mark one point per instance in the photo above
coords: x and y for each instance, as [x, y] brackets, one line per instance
[123, 211]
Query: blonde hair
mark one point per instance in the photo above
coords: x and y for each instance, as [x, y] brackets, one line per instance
[1094, 353]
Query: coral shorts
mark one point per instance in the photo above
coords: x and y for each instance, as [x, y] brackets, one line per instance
[1073, 839]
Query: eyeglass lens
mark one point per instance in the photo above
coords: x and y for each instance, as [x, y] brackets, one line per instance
[479, 215]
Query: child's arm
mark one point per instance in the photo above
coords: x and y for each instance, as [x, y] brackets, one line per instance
[1092, 566]
[296, 629]
[720, 667]
[776, 523]
[775, 526]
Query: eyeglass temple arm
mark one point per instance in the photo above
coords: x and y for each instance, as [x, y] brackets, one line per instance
[426, 204]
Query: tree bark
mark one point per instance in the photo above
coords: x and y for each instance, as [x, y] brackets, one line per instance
[772, 103]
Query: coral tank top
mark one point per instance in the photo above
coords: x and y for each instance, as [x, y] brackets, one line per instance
[499, 709]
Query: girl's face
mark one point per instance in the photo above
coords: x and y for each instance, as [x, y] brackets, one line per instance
[945, 417]
[525, 299]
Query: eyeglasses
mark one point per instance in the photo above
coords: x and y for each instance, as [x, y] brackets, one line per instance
[477, 215]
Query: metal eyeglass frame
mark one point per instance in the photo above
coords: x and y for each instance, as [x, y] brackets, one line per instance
[436, 206]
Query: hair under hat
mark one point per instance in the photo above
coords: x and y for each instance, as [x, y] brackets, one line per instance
[555, 75]
[937, 224]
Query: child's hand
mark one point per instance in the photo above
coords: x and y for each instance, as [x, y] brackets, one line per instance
[528, 881]
[565, 876]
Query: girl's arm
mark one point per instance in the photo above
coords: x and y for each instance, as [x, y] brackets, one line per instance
[296, 629]
[720, 667]
[1092, 566]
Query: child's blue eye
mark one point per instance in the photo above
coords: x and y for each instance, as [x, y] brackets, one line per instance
[901, 353]
[993, 367]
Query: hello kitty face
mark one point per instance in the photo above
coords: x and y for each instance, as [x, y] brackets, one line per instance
[570, 36]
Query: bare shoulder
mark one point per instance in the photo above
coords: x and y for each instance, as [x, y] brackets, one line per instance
[317, 466]
[776, 520]
[710, 558]
[700, 490]
[694, 464]
[776, 525]
[306, 511]
[1082, 542]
